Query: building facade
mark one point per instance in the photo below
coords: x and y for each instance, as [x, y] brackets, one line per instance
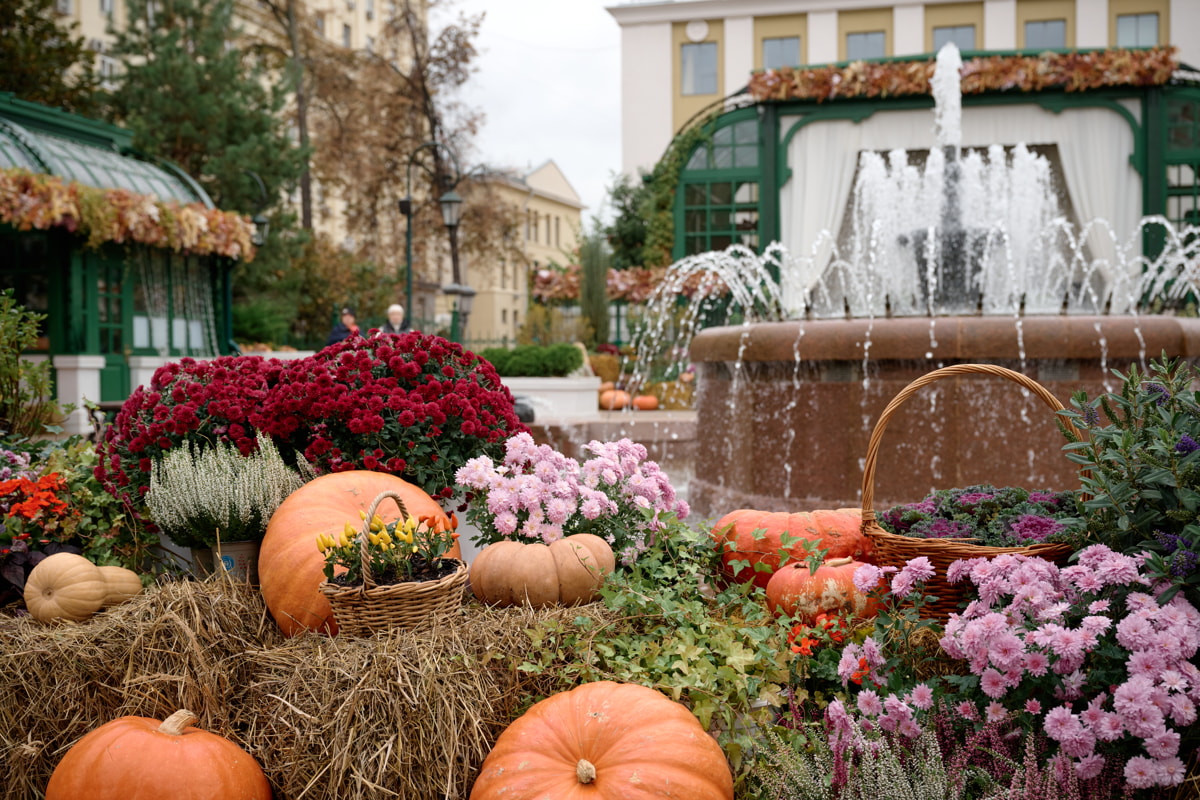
[679, 58]
[549, 214]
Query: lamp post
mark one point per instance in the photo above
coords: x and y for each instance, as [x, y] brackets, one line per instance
[262, 225]
[451, 204]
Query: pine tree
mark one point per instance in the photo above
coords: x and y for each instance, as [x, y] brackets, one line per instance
[44, 62]
[593, 286]
[192, 96]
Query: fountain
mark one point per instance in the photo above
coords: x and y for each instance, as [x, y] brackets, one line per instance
[968, 258]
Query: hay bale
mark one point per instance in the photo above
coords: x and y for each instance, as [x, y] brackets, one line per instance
[406, 714]
[401, 714]
[178, 645]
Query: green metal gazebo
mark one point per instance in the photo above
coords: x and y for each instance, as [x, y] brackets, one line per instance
[123, 295]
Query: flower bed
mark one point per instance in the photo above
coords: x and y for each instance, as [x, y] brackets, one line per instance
[1082, 676]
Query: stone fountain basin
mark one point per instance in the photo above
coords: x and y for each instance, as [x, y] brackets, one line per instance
[785, 409]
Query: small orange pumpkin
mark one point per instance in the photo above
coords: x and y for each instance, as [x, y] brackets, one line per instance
[799, 592]
[290, 568]
[614, 399]
[605, 741]
[645, 402]
[567, 572]
[138, 758]
[757, 537]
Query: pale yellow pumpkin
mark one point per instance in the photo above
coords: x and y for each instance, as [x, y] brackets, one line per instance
[65, 586]
[567, 572]
[121, 584]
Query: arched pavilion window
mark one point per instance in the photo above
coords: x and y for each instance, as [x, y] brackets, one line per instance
[719, 189]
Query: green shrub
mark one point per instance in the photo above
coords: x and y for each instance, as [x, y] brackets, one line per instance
[26, 404]
[535, 361]
[1139, 464]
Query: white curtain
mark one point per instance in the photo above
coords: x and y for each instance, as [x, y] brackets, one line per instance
[1094, 145]
[812, 203]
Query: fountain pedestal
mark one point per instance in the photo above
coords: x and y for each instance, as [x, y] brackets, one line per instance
[790, 406]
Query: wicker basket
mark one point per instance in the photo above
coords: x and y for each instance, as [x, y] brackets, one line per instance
[366, 608]
[889, 549]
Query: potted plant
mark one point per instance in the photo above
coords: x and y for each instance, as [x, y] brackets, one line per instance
[396, 574]
[539, 494]
[217, 498]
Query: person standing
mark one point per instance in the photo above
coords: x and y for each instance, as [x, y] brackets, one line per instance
[396, 323]
[346, 327]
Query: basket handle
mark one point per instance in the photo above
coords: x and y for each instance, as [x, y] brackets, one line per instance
[363, 541]
[868, 485]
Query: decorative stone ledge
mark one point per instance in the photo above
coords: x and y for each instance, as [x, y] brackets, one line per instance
[557, 398]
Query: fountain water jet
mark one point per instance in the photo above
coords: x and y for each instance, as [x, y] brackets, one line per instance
[791, 402]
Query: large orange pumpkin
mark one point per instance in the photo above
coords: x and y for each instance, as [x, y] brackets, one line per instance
[605, 741]
[799, 592]
[138, 758]
[568, 571]
[757, 537]
[290, 568]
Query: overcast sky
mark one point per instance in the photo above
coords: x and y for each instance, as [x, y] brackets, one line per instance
[549, 84]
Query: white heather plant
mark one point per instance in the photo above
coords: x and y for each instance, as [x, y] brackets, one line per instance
[539, 494]
[199, 494]
[855, 765]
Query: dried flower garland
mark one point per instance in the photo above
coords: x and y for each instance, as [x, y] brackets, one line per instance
[1074, 72]
[31, 201]
[633, 285]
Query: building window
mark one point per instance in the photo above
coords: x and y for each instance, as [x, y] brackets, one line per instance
[1046, 34]
[106, 8]
[872, 44]
[781, 52]
[699, 68]
[963, 37]
[370, 10]
[719, 191]
[110, 69]
[504, 316]
[346, 36]
[1137, 30]
[557, 241]
[1183, 161]
[535, 226]
[733, 146]
[320, 21]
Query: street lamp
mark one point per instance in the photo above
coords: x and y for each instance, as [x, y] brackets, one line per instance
[451, 205]
[461, 310]
[262, 225]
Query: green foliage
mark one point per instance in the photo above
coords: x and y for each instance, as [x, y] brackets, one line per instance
[27, 406]
[532, 360]
[593, 288]
[1141, 470]
[104, 532]
[222, 115]
[43, 60]
[548, 325]
[717, 650]
[262, 319]
[642, 232]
